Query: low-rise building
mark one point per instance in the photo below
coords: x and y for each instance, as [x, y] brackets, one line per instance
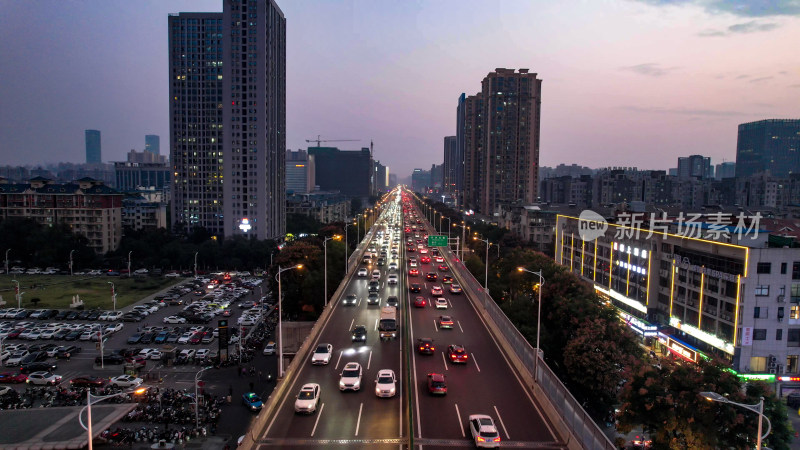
[325, 207]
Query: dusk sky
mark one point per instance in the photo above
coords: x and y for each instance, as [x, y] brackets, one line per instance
[625, 83]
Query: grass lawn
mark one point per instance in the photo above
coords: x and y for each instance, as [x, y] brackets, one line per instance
[56, 291]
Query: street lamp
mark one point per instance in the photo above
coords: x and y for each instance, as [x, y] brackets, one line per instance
[196, 380]
[325, 246]
[98, 399]
[70, 261]
[113, 295]
[758, 408]
[280, 313]
[538, 319]
[195, 264]
[7, 260]
[486, 266]
[17, 294]
[129, 263]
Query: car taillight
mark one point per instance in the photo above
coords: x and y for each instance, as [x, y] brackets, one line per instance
[480, 439]
[497, 439]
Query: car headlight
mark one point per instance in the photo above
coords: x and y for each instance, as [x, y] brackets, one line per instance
[341, 383]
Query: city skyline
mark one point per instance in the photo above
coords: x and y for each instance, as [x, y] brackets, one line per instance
[628, 83]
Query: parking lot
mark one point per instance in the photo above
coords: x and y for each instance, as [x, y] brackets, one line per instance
[166, 345]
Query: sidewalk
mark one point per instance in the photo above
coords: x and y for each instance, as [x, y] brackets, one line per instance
[206, 443]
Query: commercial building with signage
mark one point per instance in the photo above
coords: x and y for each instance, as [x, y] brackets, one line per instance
[733, 296]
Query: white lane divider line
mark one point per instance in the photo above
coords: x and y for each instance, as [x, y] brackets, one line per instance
[501, 422]
[358, 422]
[435, 326]
[476, 362]
[445, 361]
[459, 325]
[369, 361]
[319, 413]
[376, 325]
[338, 360]
[352, 322]
[460, 424]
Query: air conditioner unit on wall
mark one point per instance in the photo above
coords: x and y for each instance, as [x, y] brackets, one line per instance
[781, 298]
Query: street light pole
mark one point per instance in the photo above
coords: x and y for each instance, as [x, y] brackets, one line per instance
[113, 295]
[758, 408]
[325, 247]
[7, 260]
[19, 297]
[196, 403]
[195, 264]
[280, 314]
[486, 266]
[70, 261]
[129, 263]
[346, 244]
[98, 399]
[538, 320]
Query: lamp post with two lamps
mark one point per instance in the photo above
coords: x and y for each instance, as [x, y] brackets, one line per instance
[92, 399]
[538, 319]
[486, 266]
[197, 380]
[325, 246]
[113, 295]
[280, 314]
[758, 408]
[17, 294]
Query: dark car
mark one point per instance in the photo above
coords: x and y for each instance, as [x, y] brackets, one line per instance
[33, 357]
[73, 335]
[83, 315]
[132, 317]
[48, 314]
[161, 337]
[437, 384]
[88, 381]
[43, 347]
[457, 354]
[147, 338]
[112, 359]
[415, 287]
[126, 352]
[68, 350]
[94, 314]
[793, 400]
[74, 315]
[359, 333]
[392, 301]
[37, 366]
[135, 338]
[62, 315]
[61, 334]
[23, 314]
[425, 346]
[431, 276]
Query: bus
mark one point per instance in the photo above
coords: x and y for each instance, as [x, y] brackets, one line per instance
[388, 322]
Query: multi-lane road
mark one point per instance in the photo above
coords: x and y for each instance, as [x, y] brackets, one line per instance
[486, 384]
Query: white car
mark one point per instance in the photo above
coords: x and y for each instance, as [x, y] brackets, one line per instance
[322, 355]
[114, 327]
[114, 315]
[440, 303]
[412, 263]
[392, 279]
[149, 352]
[174, 320]
[483, 431]
[172, 275]
[351, 377]
[307, 399]
[386, 383]
[16, 358]
[202, 353]
[126, 381]
[95, 272]
[392, 266]
[54, 351]
[184, 339]
[4, 355]
[247, 321]
[362, 272]
[270, 348]
[141, 272]
[43, 378]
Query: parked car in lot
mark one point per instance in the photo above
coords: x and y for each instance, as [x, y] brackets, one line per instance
[12, 377]
[38, 366]
[126, 381]
[67, 351]
[112, 359]
[88, 381]
[43, 379]
[16, 358]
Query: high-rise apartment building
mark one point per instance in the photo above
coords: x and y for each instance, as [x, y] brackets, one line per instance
[725, 170]
[196, 125]
[152, 144]
[772, 145]
[254, 89]
[93, 147]
[472, 110]
[696, 166]
[238, 55]
[346, 171]
[500, 129]
[451, 164]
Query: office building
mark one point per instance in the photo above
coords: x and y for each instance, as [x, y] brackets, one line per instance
[90, 208]
[696, 166]
[299, 172]
[152, 144]
[131, 176]
[346, 171]
[768, 145]
[725, 170]
[451, 165]
[420, 180]
[254, 65]
[196, 121]
[93, 155]
[708, 289]
[245, 46]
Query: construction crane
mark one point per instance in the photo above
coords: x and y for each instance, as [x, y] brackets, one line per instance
[318, 140]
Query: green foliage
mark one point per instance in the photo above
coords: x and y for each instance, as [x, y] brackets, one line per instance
[300, 223]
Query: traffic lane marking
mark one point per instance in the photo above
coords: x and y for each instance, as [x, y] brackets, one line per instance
[501, 422]
[316, 422]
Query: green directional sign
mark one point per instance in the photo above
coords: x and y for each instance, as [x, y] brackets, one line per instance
[437, 241]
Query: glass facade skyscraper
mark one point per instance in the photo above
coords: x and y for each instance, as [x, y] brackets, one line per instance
[93, 155]
[768, 145]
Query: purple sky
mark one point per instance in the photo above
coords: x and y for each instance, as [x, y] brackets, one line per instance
[626, 83]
